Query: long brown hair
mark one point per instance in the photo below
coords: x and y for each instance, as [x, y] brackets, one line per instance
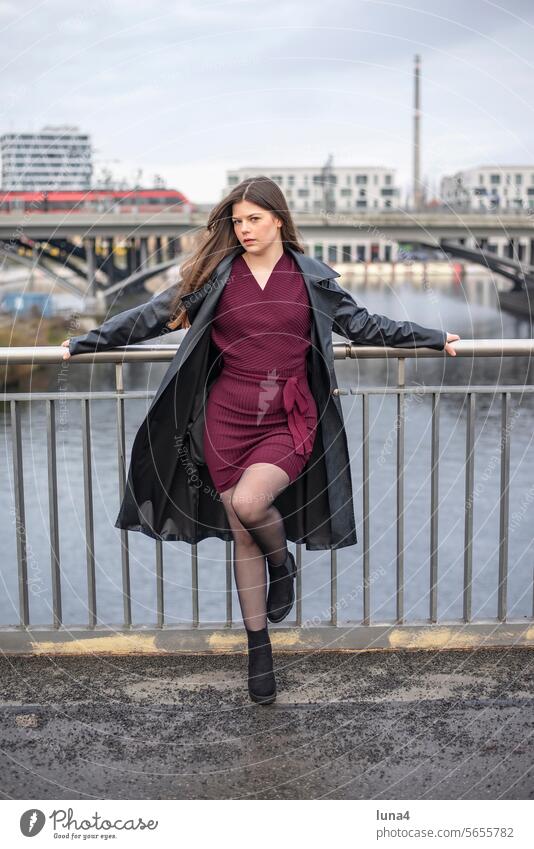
[219, 238]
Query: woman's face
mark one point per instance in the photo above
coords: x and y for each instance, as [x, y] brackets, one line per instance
[255, 227]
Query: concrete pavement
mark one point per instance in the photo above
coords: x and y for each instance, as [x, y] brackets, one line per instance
[345, 725]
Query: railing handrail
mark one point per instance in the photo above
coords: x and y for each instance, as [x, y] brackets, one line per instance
[147, 352]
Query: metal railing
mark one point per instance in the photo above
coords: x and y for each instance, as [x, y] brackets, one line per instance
[294, 634]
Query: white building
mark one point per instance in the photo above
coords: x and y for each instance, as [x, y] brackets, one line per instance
[315, 190]
[501, 187]
[58, 157]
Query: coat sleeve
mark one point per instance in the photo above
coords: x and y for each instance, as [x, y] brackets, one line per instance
[128, 327]
[364, 328]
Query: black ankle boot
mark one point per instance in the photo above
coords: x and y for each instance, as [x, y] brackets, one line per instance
[281, 593]
[261, 680]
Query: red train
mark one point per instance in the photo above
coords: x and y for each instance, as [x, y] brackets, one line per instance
[95, 200]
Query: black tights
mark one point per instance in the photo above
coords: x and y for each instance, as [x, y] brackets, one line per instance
[259, 533]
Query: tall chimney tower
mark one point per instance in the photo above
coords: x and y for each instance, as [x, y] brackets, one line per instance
[417, 188]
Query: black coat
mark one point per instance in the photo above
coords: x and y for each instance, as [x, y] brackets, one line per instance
[169, 492]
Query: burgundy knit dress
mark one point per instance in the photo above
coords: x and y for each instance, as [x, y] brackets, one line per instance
[260, 408]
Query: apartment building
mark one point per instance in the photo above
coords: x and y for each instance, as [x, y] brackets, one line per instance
[333, 189]
[488, 187]
[57, 157]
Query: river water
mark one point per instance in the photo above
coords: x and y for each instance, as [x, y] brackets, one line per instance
[470, 310]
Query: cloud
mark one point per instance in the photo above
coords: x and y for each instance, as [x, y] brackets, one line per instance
[179, 85]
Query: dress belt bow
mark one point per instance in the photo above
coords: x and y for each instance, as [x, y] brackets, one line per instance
[296, 405]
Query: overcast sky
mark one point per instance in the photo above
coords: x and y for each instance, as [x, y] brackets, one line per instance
[188, 89]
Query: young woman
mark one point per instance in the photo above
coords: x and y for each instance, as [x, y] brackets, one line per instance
[258, 422]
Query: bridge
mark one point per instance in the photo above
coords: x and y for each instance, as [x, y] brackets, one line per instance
[86, 243]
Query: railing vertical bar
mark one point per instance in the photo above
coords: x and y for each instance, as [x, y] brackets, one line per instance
[333, 586]
[89, 513]
[194, 584]
[469, 493]
[160, 588]
[53, 515]
[121, 443]
[400, 494]
[298, 585]
[229, 561]
[365, 506]
[434, 508]
[20, 519]
[504, 499]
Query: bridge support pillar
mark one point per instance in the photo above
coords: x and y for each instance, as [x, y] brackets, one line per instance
[109, 262]
[132, 256]
[144, 252]
[89, 245]
[173, 245]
